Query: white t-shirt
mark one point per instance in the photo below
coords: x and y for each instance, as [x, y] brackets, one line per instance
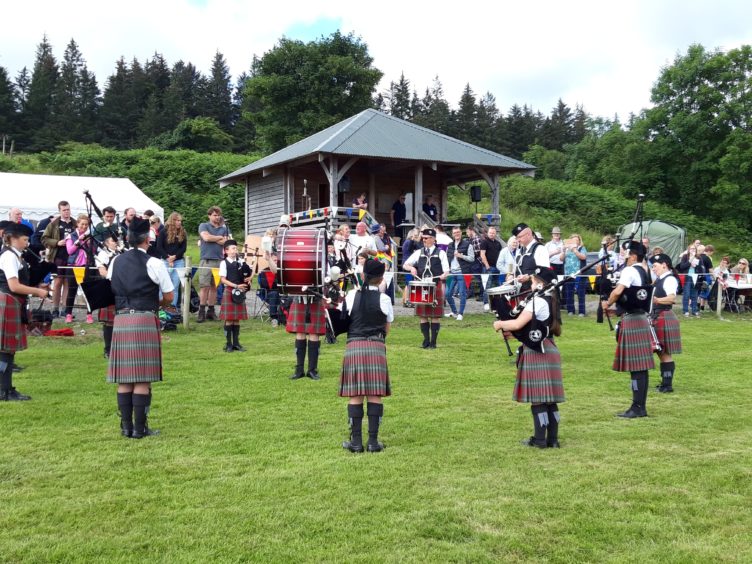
[385, 304]
[538, 307]
[223, 266]
[540, 255]
[670, 284]
[630, 277]
[415, 257]
[360, 243]
[10, 263]
[554, 251]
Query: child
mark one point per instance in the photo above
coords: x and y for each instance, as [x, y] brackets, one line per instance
[234, 274]
[107, 314]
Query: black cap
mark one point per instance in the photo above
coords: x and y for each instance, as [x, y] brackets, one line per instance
[18, 229]
[139, 226]
[545, 274]
[519, 228]
[635, 247]
[5, 224]
[428, 232]
[230, 243]
[374, 269]
[662, 258]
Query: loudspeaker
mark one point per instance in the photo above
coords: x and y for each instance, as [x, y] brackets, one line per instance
[475, 194]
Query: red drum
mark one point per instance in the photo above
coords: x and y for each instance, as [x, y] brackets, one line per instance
[302, 260]
[422, 292]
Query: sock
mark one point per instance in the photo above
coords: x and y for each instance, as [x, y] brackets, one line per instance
[553, 423]
[6, 372]
[313, 355]
[107, 334]
[125, 407]
[300, 350]
[236, 335]
[639, 389]
[202, 311]
[434, 333]
[375, 413]
[228, 335]
[667, 374]
[140, 401]
[355, 416]
[424, 327]
[540, 422]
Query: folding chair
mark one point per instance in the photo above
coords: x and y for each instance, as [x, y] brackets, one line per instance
[259, 305]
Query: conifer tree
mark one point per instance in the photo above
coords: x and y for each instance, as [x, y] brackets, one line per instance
[7, 105]
[399, 98]
[218, 93]
[40, 104]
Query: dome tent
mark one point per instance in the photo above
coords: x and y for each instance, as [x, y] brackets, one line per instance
[671, 238]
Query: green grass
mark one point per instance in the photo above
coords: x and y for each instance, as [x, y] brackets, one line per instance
[249, 465]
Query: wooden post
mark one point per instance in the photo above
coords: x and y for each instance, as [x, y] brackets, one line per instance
[719, 297]
[187, 292]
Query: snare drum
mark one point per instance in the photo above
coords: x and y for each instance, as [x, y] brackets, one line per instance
[422, 292]
[302, 260]
[503, 290]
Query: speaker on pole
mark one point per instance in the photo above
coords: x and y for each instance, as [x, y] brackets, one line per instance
[475, 194]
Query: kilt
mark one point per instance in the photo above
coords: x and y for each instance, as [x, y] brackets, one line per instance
[364, 369]
[668, 332]
[230, 311]
[106, 314]
[634, 349]
[12, 330]
[539, 375]
[136, 353]
[296, 318]
[430, 310]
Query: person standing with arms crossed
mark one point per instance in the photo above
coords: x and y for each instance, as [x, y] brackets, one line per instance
[213, 234]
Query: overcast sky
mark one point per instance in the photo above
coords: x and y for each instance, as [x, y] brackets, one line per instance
[600, 54]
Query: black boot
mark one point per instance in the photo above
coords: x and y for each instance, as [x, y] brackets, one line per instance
[107, 334]
[125, 407]
[228, 337]
[434, 334]
[540, 422]
[355, 416]
[236, 339]
[639, 395]
[201, 314]
[210, 313]
[552, 438]
[424, 328]
[7, 391]
[375, 413]
[300, 350]
[667, 377]
[140, 404]
[313, 360]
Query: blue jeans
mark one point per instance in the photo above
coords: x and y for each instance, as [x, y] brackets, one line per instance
[493, 280]
[456, 281]
[578, 286]
[689, 293]
[175, 277]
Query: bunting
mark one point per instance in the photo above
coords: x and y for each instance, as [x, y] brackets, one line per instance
[361, 213]
[215, 274]
[592, 282]
[181, 275]
[78, 272]
[388, 277]
[484, 279]
[468, 280]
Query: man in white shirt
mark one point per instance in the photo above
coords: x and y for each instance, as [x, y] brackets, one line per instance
[361, 241]
[555, 248]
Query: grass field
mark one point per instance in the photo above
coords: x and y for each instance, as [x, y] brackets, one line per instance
[249, 465]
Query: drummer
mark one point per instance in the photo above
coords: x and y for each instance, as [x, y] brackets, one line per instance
[429, 264]
[531, 254]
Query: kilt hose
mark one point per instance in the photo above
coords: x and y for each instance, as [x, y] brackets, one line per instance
[539, 375]
[634, 349]
[136, 353]
[668, 332]
[106, 314]
[364, 369]
[12, 329]
[296, 319]
[230, 311]
[430, 310]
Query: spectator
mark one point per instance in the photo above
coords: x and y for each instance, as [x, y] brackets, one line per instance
[155, 226]
[705, 253]
[429, 208]
[398, 215]
[461, 256]
[742, 270]
[16, 216]
[81, 252]
[386, 253]
[128, 216]
[172, 243]
[36, 244]
[106, 226]
[269, 290]
[54, 237]
[490, 249]
[212, 235]
[361, 202]
[508, 258]
[476, 287]
[362, 241]
[442, 239]
[691, 266]
[555, 248]
[575, 255]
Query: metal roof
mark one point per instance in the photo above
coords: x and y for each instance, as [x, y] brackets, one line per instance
[374, 134]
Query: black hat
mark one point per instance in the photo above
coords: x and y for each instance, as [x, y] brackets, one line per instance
[139, 226]
[5, 224]
[545, 274]
[519, 228]
[374, 269]
[428, 232]
[18, 229]
[635, 247]
[230, 243]
[662, 258]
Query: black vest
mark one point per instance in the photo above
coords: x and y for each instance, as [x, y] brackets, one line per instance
[366, 317]
[535, 331]
[237, 271]
[526, 260]
[131, 284]
[636, 299]
[23, 275]
[463, 247]
[435, 263]
[660, 292]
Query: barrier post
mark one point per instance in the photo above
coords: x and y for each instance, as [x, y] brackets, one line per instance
[719, 303]
[187, 292]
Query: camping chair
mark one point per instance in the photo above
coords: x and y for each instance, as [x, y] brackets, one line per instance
[260, 305]
[728, 297]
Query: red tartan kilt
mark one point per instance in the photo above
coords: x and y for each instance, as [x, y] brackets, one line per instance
[106, 314]
[668, 332]
[136, 352]
[12, 330]
[539, 375]
[430, 310]
[230, 311]
[634, 349]
[364, 370]
[296, 319]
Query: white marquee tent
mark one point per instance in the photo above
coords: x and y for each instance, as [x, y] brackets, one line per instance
[37, 195]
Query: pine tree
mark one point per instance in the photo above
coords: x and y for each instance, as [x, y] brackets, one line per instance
[7, 105]
[464, 125]
[486, 119]
[399, 98]
[40, 105]
[218, 93]
[76, 99]
[435, 114]
[116, 127]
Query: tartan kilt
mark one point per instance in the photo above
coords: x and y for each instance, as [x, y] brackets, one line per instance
[668, 332]
[539, 375]
[106, 314]
[136, 352]
[230, 311]
[364, 370]
[12, 330]
[296, 318]
[634, 349]
[430, 310]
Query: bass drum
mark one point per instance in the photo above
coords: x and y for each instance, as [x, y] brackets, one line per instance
[301, 260]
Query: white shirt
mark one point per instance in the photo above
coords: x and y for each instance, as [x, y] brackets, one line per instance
[156, 270]
[538, 307]
[223, 266]
[540, 255]
[360, 243]
[506, 259]
[10, 263]
[103, 258]
[415, 257]
[630, 277]
[384, 303]
[670, 284]
[554, 251]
